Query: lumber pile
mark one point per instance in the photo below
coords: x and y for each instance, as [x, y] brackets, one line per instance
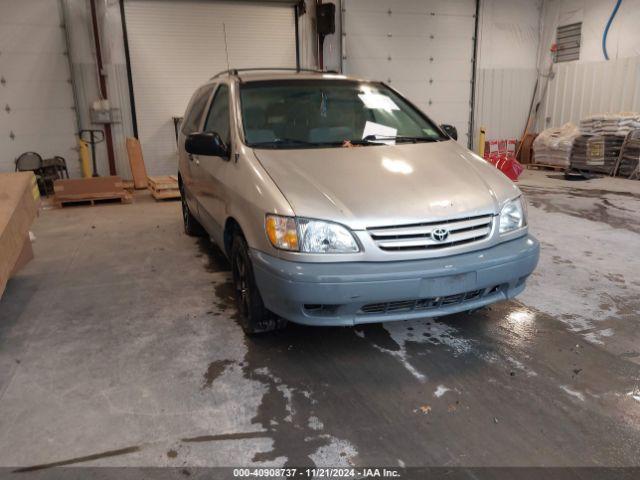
[19, 202]
[164, 187]
[89, 190]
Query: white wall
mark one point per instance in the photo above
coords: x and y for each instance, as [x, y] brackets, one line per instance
[508, 34]
[508, 45]
[591, 84]
[36, 98]
[85, 72]
[113, 54]
[623, 39]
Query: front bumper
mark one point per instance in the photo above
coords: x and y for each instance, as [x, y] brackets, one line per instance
[351, 293]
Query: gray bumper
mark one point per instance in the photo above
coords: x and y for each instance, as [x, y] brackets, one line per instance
[351, 293]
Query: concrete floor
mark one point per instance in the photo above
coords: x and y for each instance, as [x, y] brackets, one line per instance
[118, 343]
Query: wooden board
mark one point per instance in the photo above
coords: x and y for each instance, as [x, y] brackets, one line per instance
[128, 185]
[136, 161]
[26, 255]
[19, 202]
[89, 190]
[164, 187]
[525, 151]
[543, 166]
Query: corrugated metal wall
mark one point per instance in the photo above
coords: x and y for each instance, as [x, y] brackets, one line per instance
[579, 89]
[503, 97]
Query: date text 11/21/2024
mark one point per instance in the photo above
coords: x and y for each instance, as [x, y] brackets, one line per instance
[317, 472]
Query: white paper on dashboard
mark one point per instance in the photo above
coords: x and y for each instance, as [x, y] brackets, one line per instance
[373, 128]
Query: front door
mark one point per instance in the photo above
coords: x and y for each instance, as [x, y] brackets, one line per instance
[212, 192]
[190, 168]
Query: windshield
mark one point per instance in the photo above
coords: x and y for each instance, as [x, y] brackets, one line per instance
[326, 113]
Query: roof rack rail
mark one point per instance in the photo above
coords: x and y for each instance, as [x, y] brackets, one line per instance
[235, 71]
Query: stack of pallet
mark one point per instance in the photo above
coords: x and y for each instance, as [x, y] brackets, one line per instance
[19, 203]
[164, 187]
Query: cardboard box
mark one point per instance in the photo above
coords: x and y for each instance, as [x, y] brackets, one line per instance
[19, 203]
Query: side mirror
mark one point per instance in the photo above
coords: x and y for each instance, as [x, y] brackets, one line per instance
[450, 130]
[206, 143]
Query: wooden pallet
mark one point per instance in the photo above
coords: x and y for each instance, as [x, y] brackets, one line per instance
[164, 187]
[89, 190]
[91, 199]
[543, 166]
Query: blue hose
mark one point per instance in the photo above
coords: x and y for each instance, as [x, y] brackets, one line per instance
[606, 29]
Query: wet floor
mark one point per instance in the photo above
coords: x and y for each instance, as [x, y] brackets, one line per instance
[122, 348]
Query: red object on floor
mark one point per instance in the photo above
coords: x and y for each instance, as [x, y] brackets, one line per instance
[506, 162]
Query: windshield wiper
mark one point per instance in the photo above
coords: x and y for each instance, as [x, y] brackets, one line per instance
[284, 142]
[399, 138]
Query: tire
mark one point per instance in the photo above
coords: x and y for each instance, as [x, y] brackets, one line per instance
[191, 226]
[252, 315]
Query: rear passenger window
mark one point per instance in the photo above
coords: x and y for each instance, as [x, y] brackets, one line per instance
[196, 109]
[218, 118]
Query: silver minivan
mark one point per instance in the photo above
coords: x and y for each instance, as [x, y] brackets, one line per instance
[338, 202]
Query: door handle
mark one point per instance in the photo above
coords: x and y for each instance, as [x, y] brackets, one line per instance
[197, 161]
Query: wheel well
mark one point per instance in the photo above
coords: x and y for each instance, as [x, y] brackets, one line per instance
[231, 226]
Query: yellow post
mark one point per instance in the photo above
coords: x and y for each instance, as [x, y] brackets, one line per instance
[481, 140]
[83, 148]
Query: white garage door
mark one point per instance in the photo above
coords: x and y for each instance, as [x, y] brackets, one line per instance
[36, 98]
[177, 46]
[422, 48]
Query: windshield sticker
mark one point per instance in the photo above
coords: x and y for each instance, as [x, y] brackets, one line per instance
[373, 128]
[377, 101]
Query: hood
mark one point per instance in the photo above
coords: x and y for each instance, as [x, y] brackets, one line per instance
[387, 185]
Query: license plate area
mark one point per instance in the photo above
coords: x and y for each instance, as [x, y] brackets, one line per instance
[448, 285]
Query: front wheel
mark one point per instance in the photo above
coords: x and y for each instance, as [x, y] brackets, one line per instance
[191, 226]
[254, 317]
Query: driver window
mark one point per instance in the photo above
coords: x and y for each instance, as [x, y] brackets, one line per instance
[218, 118]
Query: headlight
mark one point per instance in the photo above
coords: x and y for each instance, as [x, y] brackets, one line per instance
[282, 232]
[309, 236]
[324, 237]
[513, 215]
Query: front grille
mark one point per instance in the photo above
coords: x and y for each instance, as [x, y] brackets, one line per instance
[320, 310]
[426, 303]
[419, 236]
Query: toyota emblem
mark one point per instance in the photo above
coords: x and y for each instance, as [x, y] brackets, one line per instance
[440, 234]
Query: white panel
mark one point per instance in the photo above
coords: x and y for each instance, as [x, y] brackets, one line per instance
[37, 91]
[502, 102]
[580, 89]
[422, 48]
[177, 46]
